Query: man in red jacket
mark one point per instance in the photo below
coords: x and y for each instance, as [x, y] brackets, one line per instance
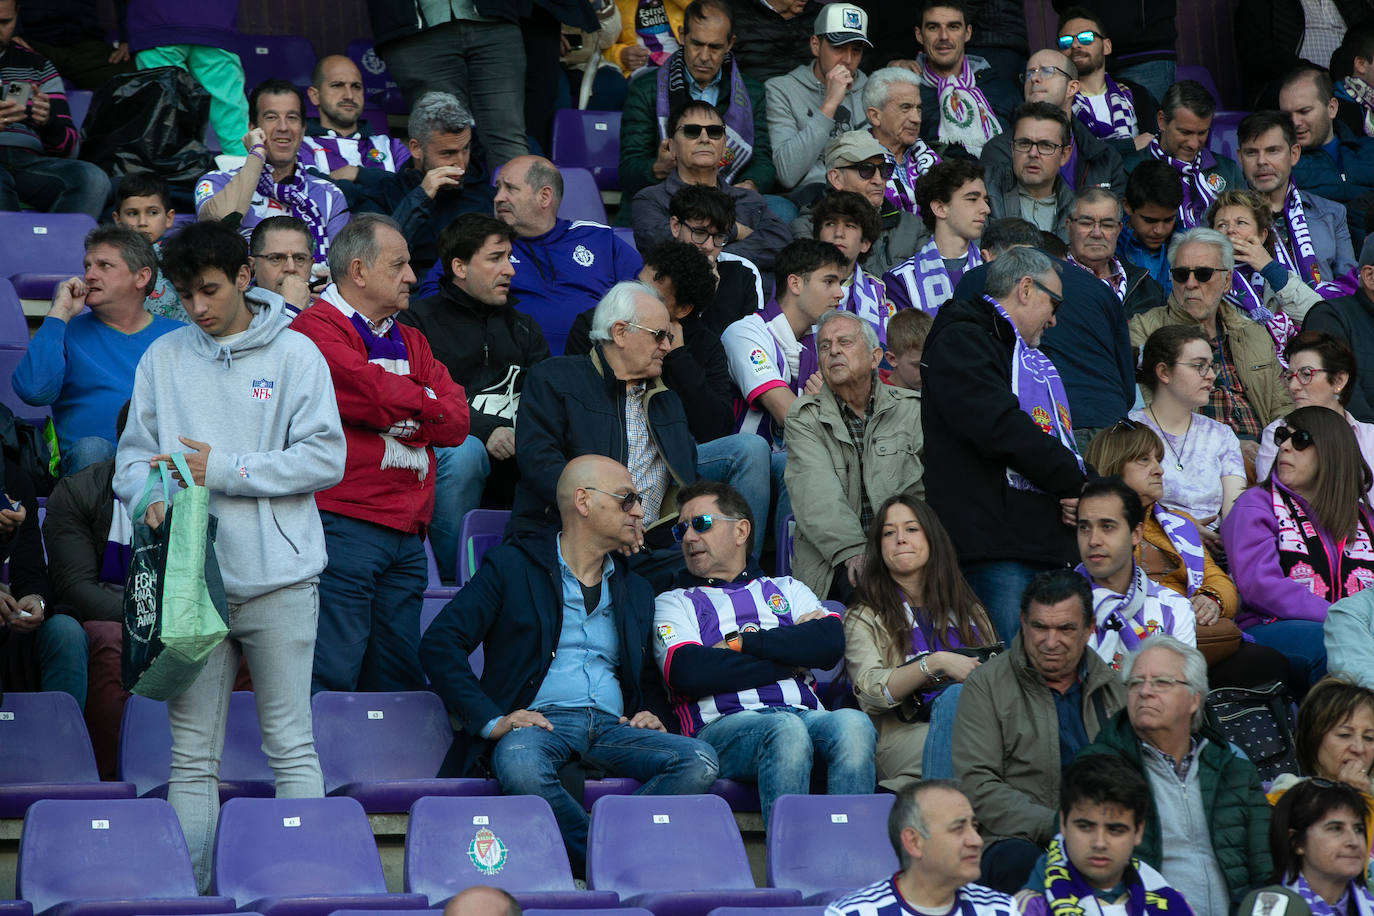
[397, 402]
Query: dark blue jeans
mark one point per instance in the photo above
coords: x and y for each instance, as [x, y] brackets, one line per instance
[999, 584]
[50, 184]
[370, 598]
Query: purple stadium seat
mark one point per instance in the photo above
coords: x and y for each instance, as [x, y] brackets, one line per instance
[79, 101]
[626, 854]
[45, 752]
[41, 250]
[16, 908]
[768, 911]
[1222, 140]
[740, 796]
[436, 587]
[783, 535]
[617, 911]
[507, 841]
[481, 530]
[301, 857]
[581, 197]
[145, 750]
[626, 235]
[588, 140]
[14, 327]
[383, 749]
[379, 89]
[1202, 75]
[264, 57]
[108, 858]
[827, 845]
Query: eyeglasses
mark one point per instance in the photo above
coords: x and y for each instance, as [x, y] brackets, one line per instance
[1043, 72]
[1304, 375]
[692, 131]
[1203, 274]
[627, 500]
[277, 259]
[866, 169]
[700, 234]
[1088, 224]
[700, 524]
[1085, 38]
[1301, 437]
[660, 335]
[1203, 367]
[1043, 147]
[1127, 423]
[1055, 300]
[1159, 683]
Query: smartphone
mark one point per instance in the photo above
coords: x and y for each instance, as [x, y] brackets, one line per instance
[574, 39]
[18, 91]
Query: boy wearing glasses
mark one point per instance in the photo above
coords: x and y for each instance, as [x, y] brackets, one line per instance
[1033, 187]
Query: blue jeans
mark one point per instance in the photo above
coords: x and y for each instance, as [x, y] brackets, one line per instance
[999, 584]
[482, 63]
[1155, 75]
[461, 472]
[782, 208]
[371, 594]
[937, 762]
[275, 632]
[782, 504]
[1008, 863]
[526, 761]
[774, 747]
[742, 461]
[1301, 643]
[50, 184]
[83, 453]
[61, 645]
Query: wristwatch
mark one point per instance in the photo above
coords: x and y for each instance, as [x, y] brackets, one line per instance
[734, 641]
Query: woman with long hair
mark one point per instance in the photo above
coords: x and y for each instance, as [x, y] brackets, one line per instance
[914, 613]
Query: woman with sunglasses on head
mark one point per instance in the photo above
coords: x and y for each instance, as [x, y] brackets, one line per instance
[1334, 738]
[1203, 468]
[1302, 539]
[1320, 846]
[1267, 290]
[1320, 373]
[914, 613]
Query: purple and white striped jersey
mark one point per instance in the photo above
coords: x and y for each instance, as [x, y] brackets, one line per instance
[328, 152]
[881, 898]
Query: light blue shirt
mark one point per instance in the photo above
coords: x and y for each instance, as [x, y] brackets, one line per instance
[710, 94]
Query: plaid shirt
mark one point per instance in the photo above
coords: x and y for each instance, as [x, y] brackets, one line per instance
[648, 470]
[1228, 403]
[857, 425]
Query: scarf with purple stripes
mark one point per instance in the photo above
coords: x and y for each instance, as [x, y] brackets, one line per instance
[1199, 189]
[1133, 616]
[868, 300]
[965, 115]
[1185, 539]
[294, 193]
[1299, 255]
[674, 85]
[1354, 893]
[1247, 294]
[1120, 103]
[900, 193]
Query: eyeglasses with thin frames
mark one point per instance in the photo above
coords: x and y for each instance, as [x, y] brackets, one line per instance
[278, 258]
[1108, 225]
[1159, 683]
[1044, 73]
[1203, 367]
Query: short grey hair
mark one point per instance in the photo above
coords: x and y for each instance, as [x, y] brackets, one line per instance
[870, 335]
[357, 241]
[438, 113]
[906, 812]
[1194, 668]
[621, 303]
[1095, 194]
[880, 83]
[1201, 235]
[1015, 263]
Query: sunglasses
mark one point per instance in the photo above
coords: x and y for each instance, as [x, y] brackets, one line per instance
[627, 500]
[1085, 38]
[866, 169]
[659, 334]
[1301, 437]
[692, 131]
[1203, 274]
[700, 524]
[1055, 301]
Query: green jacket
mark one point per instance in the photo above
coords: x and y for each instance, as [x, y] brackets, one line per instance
[1231, 792]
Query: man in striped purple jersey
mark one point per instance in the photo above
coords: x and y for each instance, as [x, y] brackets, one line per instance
[737, 649]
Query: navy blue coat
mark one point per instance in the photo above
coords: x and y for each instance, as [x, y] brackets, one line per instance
[1346, 181]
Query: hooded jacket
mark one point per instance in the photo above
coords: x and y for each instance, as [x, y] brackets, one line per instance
[264, 404]
[798, 130]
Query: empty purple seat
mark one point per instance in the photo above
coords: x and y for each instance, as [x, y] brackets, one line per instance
[1201, 74]
[145, 749]
[628, 852]
[1225, 125]
[481, 530]
[16, 908]
[42, 249]
[507, 841]
[768, 911]
[581, 197]
[436, 587]
[45, 752]
[79, 102]
[617, 911]
[785, 532]
[283, 57]
[828, 845]
[108, 858]
[589, 140]
[301, 857]
[14, 327]
[383, 749]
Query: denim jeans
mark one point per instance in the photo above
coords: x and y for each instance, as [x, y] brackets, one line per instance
[1300, 641]
[83, 453]
[1155, 75]
[999, 584]
[937, 762]
[526, 761]
[51, 184]
[371, 594]
[61, 646]
[774, 747]
[742, 461]
[461, 472]
[482, 63]
[276, 633]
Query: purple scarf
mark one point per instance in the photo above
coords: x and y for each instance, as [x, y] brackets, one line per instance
[1319, 907]
[1122, 107]
[296, 196]
[900, 193]
[868, 300]
[674, 83]
[1185, 539]
[923, 641]
[1247, 294]
[923, 282]
[965, 115]
[1299, 255]
[1199, 190]
[1040, 393]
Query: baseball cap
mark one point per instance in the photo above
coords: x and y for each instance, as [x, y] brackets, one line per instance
[1367, 252]
[840, 23]
[1274, 900]
[855, 146]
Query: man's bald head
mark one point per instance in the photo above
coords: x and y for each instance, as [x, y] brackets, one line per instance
[587, 471]
[482, 901]
[336, 88]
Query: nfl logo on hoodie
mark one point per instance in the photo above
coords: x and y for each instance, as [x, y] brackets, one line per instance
[262, 389]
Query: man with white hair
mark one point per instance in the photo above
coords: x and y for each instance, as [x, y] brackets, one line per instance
[1207, 829]
[892, 100]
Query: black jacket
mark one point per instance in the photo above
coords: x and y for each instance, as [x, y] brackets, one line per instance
[574, 405]
[399, 195]
[767, 45]
[974, 430]
[697, 371]
[392, 19]
[513, 609]
[996, 88]
[1269, 34]
[1143, 291]
[1097, 165]
[1351, 318]
[487, 349]
[1140, 30]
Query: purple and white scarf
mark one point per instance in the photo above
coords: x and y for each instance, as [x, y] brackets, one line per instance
[1247, 294]
[1187, 542]
[294, 193]
[1364, 906]
[1298, 254]
[922, 280]
[1199, 189]
[1040, 393]
[1120, 103]
[900, 193]
[868, 300]
[387, 348]
[1122, 622]
[965, 115]
[1363, 95]
[673, 92]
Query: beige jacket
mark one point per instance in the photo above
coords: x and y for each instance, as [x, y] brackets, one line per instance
[871, 654]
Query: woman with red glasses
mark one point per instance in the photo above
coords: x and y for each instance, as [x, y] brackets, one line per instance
[1301, 540]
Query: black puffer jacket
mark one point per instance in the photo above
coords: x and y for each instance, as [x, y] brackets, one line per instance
[767, 45]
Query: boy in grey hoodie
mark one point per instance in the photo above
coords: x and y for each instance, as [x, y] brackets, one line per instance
[251, 405]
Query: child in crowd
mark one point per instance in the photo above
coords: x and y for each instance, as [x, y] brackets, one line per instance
[144, 204]
[906, 344]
